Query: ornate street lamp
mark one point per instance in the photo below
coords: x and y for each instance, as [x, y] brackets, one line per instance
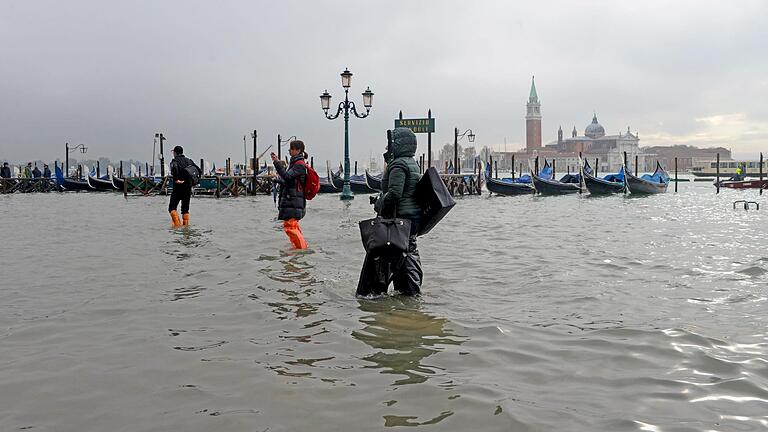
[456, 138]
[346, 106]
[280, 143]
[83, 149]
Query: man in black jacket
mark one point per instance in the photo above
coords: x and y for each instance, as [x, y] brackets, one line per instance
[46, 171]
[182, 186]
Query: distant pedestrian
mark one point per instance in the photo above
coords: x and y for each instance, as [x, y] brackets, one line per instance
[36, 172]
[46, 171]
[185, 175]
[292, 204]
[27, 171]
[5, 171]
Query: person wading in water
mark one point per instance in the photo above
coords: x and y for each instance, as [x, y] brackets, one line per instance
[397, 199]
[292, 204]
[185, 175]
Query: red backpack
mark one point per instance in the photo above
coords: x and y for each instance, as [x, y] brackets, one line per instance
[311, 184]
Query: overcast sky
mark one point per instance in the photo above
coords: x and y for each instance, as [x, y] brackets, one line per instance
[110, 74]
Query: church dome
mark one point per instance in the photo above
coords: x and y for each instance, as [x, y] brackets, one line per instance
[594, 129]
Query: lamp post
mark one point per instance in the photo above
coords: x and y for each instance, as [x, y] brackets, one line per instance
[346, 106]
[255, 137]
[162, 158]
[83, 149]
[280, 143]
[456, 138]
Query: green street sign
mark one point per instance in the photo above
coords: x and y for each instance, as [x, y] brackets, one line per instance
[424, 125]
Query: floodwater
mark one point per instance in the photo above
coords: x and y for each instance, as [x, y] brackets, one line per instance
[570, 313]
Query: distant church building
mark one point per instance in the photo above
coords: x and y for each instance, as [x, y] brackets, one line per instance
[533, 121]
[594, 144]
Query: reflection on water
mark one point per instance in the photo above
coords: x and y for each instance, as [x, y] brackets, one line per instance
[403, 336]
[297, 285]
[185, 238]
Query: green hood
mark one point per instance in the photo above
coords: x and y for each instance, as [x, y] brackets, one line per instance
[403, 143]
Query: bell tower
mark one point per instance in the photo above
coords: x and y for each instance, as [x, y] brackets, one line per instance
[533, 121]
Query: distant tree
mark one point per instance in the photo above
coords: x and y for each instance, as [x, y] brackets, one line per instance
[446, 154]
[486, 153]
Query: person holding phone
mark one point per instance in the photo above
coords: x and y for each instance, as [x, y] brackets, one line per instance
[292, 203]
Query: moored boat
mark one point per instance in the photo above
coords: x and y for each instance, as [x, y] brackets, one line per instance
[545, 184]
[357, 184]
[374, 182]
[648, 183]
[610, 184]
[101, 185]
[744, 184]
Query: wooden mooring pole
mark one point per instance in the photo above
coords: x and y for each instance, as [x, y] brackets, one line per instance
[513, 167]
[496, 167]
[490, 165]
[597, 164]
[717, 175]
[636, 166]
[625, 172]
[675, 174]
[761, 173]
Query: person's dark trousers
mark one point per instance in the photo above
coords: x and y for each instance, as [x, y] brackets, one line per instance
[403, 269]
[180, 194]
[407, 278]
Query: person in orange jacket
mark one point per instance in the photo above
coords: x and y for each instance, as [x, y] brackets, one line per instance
[292, 204]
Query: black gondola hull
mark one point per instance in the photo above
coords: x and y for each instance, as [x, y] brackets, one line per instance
[508, 189]
[355, 185]
[373, 182]
[76, 185]
[101, 185]
[553, 187]
[598, 186]
[637, 185]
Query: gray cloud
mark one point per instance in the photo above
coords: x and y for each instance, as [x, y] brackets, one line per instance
[111, 74]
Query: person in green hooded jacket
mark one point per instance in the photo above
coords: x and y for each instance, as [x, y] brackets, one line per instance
[397, 199]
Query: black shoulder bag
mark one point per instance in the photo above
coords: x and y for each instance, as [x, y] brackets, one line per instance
[385, 234]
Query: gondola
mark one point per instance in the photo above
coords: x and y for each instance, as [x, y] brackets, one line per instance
[118, 183]
[356, 183]
[546, 185]
[101, 185]
[326, 184]
[648, 184]
[507, 186]
[71, 184]
[374, 182]
[610, 184]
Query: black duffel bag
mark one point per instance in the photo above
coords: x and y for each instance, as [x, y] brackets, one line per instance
[385, 234]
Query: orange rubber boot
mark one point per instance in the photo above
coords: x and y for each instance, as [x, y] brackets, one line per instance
[175, 221]
[186, 219]
[291, 228]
